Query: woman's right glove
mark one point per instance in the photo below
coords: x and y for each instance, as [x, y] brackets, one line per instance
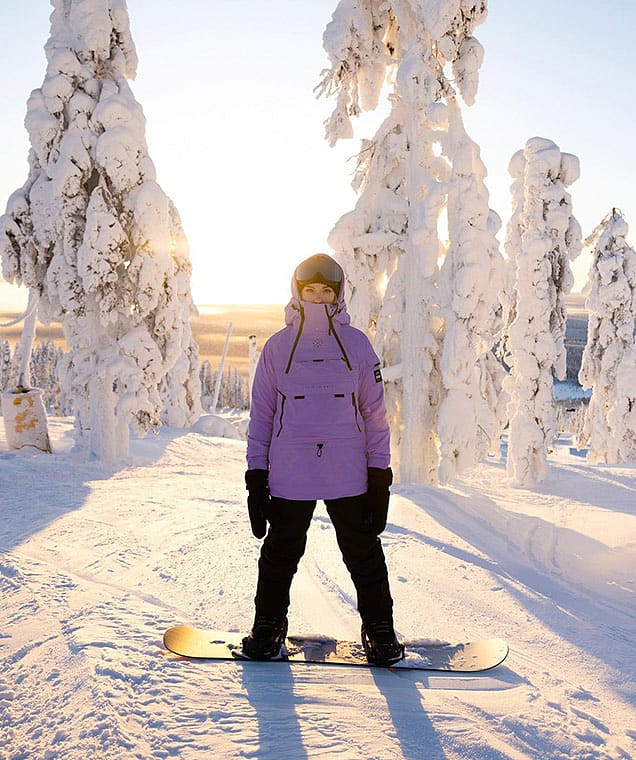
[378, 482]
[258, 499]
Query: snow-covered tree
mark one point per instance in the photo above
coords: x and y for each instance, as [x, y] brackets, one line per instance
[16, 363]
[609, 360]
[390, 244]
[543, 237]
[471, 415]
[44, 374]
[234, 390]
[94, 234]
[206, 377]
[5, 364]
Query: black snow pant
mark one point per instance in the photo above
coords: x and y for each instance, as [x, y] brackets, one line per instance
[285, 544]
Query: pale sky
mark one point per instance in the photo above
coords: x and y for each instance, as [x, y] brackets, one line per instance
[236, 134]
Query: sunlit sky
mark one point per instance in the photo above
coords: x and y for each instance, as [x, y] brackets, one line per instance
[236, 133]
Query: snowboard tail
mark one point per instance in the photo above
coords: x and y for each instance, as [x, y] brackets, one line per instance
[469, 657]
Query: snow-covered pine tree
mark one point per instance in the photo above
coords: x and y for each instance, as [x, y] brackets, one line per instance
[44, 375]
[95, 235]
[38, 369]
[206, 378]
[543, 237]
[471, 415]
[16, 361]
[5, 364]
[389, 245]
[608, 367]
[63, 403]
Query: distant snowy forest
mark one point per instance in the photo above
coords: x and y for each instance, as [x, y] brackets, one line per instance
[471, 338]
[46, 368]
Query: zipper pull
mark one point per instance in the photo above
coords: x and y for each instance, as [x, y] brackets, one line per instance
[319, 449]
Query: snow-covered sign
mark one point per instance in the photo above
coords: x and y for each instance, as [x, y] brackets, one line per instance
[609, 359]
[95, 235]
[543, 237]
[390, 245]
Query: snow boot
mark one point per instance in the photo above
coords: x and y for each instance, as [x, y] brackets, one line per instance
[265, 639]
[380, 643]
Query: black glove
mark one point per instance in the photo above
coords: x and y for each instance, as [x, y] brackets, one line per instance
[258, 499]
[378, 482]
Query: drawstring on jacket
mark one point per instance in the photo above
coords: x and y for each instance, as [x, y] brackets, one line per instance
[332, 329]
[296, 339]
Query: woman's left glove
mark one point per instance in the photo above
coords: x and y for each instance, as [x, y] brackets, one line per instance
[258, 499]
[378, 482]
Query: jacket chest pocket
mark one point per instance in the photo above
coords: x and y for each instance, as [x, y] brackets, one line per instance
[318, 400]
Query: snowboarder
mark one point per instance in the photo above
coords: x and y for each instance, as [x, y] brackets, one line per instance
[318, 430]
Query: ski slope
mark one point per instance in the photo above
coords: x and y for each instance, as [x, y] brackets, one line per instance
[97, 561]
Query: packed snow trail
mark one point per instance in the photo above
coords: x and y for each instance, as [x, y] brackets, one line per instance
[97, 562]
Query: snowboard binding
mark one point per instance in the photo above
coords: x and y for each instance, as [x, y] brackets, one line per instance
[266, 638]
[380, 644]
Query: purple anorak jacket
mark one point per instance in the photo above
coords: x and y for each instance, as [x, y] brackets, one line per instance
[317, 417]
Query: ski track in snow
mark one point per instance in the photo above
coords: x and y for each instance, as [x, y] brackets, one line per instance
[96, 562]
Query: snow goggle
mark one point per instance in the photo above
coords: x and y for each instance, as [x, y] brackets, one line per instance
[315, 268]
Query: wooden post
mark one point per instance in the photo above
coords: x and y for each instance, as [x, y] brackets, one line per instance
[219, 377]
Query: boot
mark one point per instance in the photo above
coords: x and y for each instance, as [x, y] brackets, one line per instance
[380, 643]
[265, 639]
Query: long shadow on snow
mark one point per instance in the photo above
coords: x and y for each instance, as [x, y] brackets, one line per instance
[573, 613]
[270, 691]
[599, 487]
[414, 728]
[603, 484]
[463, 555]
[38, 488]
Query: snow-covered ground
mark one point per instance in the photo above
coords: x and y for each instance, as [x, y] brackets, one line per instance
[97, 561]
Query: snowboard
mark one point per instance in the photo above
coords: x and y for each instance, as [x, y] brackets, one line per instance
[471, 657]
